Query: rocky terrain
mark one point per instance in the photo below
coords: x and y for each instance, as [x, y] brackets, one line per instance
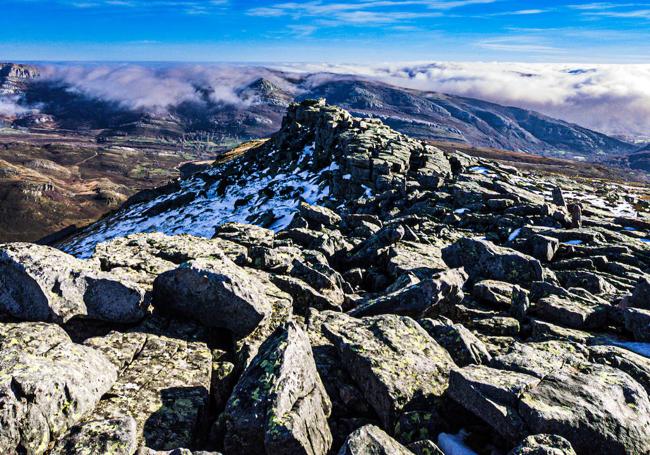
[346, 290]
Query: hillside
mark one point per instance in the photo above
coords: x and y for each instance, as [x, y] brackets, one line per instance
[389, 297]
[255, 109]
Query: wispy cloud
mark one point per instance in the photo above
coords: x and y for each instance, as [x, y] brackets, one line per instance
[521, 12]
[182, 6]
[518, 44]
[363, 12]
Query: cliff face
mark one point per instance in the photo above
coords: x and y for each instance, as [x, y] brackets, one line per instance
[13, 77]
[347, 290]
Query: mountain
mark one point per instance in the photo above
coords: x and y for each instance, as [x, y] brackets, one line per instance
[390, 297]
[14, 78]
[437, 116]
[255, 110]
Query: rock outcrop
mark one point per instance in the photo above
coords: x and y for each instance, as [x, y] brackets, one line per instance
[345, 289]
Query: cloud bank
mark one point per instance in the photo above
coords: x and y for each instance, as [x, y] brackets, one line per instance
[156, 88]
[614, 99]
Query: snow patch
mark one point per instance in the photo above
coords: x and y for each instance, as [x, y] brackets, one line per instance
[278, 194]
[514, 234]
[573, 242]
[454, 444]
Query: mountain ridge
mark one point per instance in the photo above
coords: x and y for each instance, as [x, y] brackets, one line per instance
[259, 106]
[402, 294]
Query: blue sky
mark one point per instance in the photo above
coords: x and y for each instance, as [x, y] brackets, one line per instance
[353, 31]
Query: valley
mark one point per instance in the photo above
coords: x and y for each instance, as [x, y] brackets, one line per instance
[52, 180]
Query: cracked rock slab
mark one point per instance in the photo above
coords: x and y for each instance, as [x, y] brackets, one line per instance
[393, 360]
[39, 283]
[164, 386]
[279, 406]
[47, 384]
[215, 292]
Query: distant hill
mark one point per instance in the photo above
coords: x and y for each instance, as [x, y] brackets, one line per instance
[259, 105]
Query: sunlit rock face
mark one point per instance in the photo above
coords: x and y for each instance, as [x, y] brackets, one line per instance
[339, 288]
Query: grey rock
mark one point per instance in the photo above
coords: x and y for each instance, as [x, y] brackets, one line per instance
[141, 258]
[215, 292]
[543, 444]
[114, 435]
[484, 260]
[637, 321]
[164, 384]
[543, 247]
[372, 440]
[463, 346]
[495, 293]
[318, 217]
[47, 384]
[492, 395]
[425, 447]
[395, 363]
[599, 409]
[633, 364]
[576, 314]
[279, 405]
[419, 259]
[245, 234]
[640, 298]
[420, 299]
[39, 283]
[539, 359]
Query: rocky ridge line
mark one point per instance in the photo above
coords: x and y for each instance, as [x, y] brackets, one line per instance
[430, 303]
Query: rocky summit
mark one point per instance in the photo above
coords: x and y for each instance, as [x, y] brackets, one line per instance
[338, 289]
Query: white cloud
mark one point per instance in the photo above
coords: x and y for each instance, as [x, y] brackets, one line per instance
[611, 98]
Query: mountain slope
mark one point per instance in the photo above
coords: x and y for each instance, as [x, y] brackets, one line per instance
[437, 116]
[322, 155]
[431, 299]
[254, 109]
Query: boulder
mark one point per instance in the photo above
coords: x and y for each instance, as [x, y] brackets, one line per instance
[539, 359]
[640, 298]
[492, 395]
[484, 260]
[279, 405]
[633, 364]
[637, 321]
[395, 363]
[372, 440]
[543, 444]
[318, 217]
[164, 385]
[494, 293]
[47, 384]
[598, 409]
[215, 292]
[543, 247]
[575, 314]
[39, 283]
[463, 346]
[420, 299]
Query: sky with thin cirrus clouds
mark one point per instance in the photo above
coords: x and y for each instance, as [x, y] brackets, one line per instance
[333, 31]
